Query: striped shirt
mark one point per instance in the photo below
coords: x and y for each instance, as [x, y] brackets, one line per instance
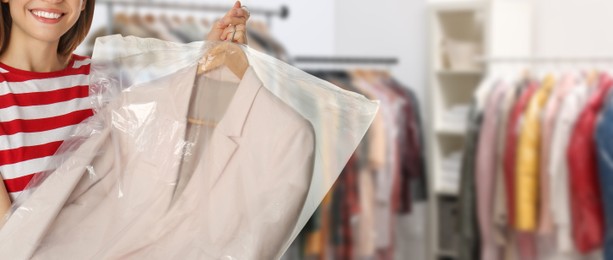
[38, 111]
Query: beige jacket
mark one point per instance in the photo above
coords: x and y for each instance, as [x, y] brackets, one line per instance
[112, 199]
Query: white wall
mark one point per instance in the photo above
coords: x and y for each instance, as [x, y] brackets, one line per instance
[309, 29]
[388, 28]
[573, 28]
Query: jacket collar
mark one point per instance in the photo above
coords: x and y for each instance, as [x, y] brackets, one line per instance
[226, 136]
[236, 114]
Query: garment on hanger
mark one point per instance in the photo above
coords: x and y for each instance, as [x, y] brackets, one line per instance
[468, 227]
[413, 174]
[511, 146]
[604, 143]
[550, 112]
[484, 174]
[527, 170]
[467, 223]
[586, 199]
[130, 189]
[572, 104]
[546, 239]
[500, 219]
[527, 158]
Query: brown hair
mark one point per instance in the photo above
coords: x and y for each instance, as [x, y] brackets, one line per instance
[68, 42]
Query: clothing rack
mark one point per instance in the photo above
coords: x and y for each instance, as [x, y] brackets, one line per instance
[555, 63]
[282, 12]
[543, 59]
[322, 62]
[347, 60]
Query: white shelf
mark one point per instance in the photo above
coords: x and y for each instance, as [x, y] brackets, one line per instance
[484, 28]
[447, 191]
[449, 88]
[452, 129]
[457, 5]
[471, 73]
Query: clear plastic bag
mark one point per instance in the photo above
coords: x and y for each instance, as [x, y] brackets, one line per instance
[196, 151]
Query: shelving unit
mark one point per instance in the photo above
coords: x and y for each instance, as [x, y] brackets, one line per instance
[460, 33]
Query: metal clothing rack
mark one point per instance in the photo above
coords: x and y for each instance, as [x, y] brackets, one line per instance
[543, 59]
[347, 60]
[282, 12]
[322, 62]
[546, 63]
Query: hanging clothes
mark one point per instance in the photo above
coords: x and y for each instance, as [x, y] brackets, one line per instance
[537, 176]
[386, 180]
[604, 143]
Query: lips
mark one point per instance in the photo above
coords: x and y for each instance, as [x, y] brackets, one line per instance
[47, 16]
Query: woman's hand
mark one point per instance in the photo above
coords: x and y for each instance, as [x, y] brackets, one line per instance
[232, 27]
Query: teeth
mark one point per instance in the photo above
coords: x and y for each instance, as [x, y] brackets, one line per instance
[47, 15]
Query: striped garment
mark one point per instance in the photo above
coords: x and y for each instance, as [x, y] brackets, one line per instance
[38, 111]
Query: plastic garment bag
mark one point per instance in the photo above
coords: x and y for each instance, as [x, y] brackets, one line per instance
[196, 151]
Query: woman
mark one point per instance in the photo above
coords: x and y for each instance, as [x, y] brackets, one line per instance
[44, 86]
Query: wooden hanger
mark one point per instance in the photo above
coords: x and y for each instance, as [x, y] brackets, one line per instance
[122, 18]
[356, 74]
[592, 78]
[367, 75]
[190, 19]
[149, 18]
[177, 19]
[224, 54]
[196, 121]
[259, 27]
[218, 55]
[135, 18]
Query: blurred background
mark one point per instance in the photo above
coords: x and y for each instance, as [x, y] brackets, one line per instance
[413, 190]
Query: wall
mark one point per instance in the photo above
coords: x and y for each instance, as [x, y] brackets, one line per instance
[309, 29]
[573, 28]
[388, 28]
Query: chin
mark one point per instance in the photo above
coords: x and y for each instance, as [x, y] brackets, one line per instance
[48, 36]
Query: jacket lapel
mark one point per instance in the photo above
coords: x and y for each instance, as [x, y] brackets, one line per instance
[226, 137]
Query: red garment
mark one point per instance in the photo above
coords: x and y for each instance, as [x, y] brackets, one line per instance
[526, 245]
[510, 149]
[349, 208]
[585, 196]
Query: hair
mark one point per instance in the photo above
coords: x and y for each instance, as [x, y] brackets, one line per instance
[68, 42]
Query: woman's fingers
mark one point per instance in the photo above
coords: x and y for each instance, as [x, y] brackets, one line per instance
[237, 34]
[226, 21]
[235, 19]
